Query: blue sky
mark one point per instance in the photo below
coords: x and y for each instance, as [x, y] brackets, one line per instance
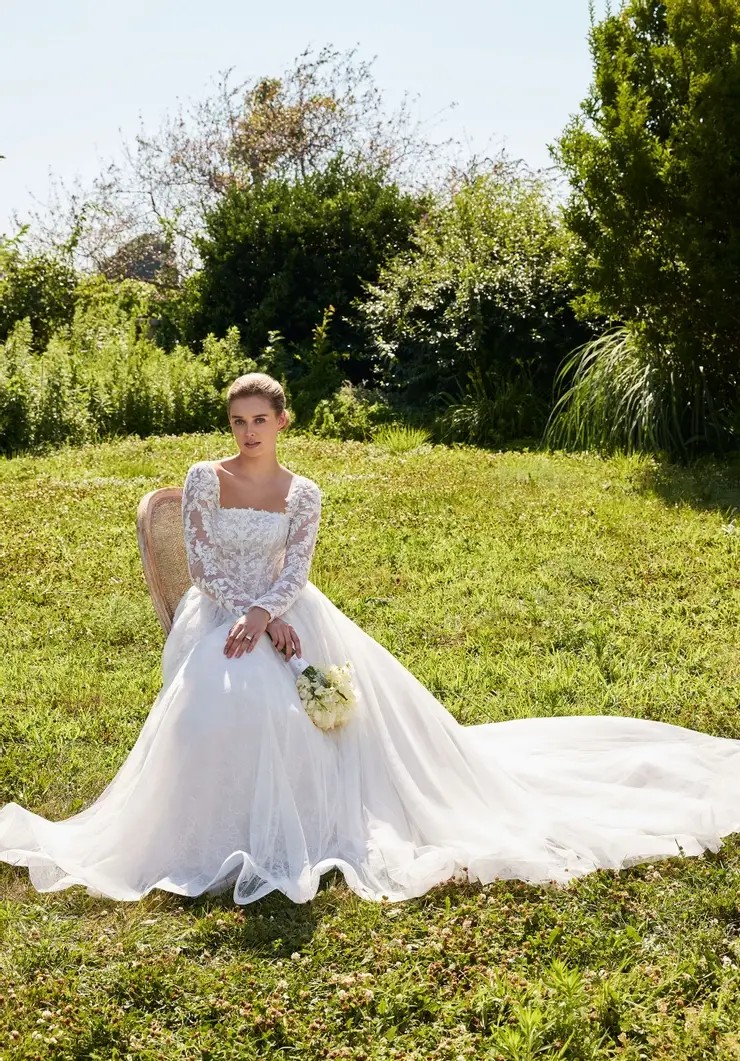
[77, 76]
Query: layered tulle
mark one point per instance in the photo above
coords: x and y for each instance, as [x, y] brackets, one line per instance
[229, 786]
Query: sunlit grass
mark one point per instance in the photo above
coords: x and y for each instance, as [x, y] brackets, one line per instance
[400, 438]
[511, 584]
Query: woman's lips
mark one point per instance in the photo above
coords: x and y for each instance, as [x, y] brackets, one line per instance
[251, 445]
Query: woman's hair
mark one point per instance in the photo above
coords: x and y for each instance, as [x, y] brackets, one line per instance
[261, 384]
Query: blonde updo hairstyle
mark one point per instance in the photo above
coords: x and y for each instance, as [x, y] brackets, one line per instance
[261, 384]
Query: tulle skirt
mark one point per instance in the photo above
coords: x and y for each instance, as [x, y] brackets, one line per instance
[230, 786]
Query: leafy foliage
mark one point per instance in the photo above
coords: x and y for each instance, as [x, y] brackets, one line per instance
[309, 373]
[37, 286]
[351, 412]
[103, 303]
[654, 162]
[491, 413]
[102, 379]
[278, 254]
[482, 295]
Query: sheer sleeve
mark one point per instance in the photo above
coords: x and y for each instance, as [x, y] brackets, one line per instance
[199, 503]
[299, 548]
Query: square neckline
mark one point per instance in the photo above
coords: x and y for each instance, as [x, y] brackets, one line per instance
[251, 508]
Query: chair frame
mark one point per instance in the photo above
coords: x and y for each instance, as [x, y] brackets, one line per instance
[144, 518]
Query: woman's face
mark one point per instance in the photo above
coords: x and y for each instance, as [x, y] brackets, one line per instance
[254, 424]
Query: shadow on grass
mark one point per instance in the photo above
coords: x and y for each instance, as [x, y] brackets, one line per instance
[707, 484]
[274, 925]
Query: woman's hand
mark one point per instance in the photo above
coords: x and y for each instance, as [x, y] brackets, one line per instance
[284, 637]
[246, 632]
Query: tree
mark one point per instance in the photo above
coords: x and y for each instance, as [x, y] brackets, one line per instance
[653, 159]
[277, 254]
[325, 104]
[147, 257]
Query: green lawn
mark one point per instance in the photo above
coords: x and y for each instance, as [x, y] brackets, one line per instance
[511, 584]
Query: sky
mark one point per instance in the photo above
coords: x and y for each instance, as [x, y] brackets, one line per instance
[79, 78]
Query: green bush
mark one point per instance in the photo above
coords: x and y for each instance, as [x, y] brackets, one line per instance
[100, 379]
[312, 372]
[17, 365]
[493, 411]
[114, 299]
[39, 287]
[352, 412]
[276, 254]
[483, 294]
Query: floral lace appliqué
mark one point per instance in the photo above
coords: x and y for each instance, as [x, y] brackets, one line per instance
[248, 557]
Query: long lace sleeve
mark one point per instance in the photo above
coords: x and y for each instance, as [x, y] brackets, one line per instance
[299, 549]
[199, 503]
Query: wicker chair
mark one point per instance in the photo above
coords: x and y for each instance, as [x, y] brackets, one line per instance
[162, 547]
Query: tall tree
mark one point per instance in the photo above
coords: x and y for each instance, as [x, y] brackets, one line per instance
[653, 158]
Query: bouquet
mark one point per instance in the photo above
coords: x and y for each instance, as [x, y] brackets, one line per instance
[327, 695]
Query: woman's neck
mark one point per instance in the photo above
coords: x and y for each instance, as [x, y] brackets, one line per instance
[257, 469]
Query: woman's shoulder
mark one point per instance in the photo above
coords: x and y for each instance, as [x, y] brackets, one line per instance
[306, 487]
[201, 472]
[208, 465]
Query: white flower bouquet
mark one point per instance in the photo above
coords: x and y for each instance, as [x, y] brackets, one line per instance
[328, 696]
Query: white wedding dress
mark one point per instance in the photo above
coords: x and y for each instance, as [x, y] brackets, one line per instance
[230, 785]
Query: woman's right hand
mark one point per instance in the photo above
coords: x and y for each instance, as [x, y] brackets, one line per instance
[284, 637]
[246, 632]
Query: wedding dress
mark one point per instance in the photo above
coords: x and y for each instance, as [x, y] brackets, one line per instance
[230, 786]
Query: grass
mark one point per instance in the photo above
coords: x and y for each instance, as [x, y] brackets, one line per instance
[511, 584]
[400, 438]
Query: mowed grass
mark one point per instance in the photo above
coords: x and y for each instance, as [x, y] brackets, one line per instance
[511, 584]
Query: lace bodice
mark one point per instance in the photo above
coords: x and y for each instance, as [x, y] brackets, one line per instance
[247, 557]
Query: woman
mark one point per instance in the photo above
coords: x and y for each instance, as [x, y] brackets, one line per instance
[231, 786]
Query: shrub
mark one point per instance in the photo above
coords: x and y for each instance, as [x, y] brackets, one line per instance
[352, 412]
[277, 253]
[312, 373]
[101, 380]
[39, 287]
[493, 411]
[483, 295]
[16, 388]
[114, 300]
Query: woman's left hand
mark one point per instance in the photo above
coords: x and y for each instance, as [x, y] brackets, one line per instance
[284, 637]
[246, 632]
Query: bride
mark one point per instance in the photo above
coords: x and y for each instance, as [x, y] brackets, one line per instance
[230, 785]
